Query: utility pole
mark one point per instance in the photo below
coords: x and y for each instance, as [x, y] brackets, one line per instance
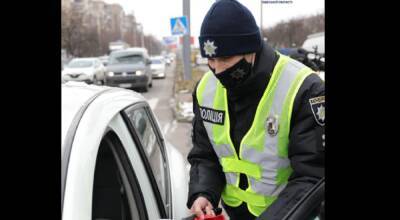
[141, 34]
[142, 31]
[187, 66]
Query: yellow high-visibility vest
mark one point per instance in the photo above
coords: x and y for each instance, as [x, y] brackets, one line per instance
[263, 154]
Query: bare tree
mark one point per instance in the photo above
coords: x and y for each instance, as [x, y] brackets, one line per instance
[90, 45]
[82, 35]
[294, 32]
[73, 32]
[153, 45]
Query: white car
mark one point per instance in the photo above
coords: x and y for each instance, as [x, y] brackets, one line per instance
[157, 67]
[115, 161]
[89, 70]
[315, 41]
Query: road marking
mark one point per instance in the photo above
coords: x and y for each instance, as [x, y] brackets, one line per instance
[153, 103]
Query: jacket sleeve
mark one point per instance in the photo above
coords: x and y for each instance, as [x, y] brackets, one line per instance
[306, 149]
[206, 176]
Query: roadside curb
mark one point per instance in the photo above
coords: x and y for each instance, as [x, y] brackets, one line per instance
[181, 103]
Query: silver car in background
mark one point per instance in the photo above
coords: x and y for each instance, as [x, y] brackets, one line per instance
[129, 68]
[158, 67]
[89, 70]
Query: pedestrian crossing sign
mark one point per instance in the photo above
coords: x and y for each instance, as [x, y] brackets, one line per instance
[179, 25]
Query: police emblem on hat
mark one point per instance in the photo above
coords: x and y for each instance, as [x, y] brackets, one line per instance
[209, 48]
[272, 125]
[238, 74]
[318, 109]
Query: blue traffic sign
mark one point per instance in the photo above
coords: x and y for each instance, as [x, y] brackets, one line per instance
[179, 25]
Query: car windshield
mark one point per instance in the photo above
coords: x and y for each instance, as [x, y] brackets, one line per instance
[156, 61]
[80, 63]
[126, 59]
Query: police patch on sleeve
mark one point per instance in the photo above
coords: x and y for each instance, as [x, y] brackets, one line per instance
[318, 109]
[212, 115]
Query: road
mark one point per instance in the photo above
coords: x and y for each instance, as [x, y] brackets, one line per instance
[160, 98]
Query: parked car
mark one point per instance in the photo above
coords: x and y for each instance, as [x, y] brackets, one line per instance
[315, 42]
[89, 70]
[116, 163]
[129, 68]
[158, 67]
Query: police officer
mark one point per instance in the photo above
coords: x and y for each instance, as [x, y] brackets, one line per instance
[259, 122]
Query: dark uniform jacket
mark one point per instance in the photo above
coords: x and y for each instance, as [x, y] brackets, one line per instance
[306, 143]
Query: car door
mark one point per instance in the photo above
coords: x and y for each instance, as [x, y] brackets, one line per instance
[311, 206]
[145, 132]
[116, 194]
[132, 145]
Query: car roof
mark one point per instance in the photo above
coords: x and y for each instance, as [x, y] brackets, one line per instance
[86, 58]
[313, 40]
[137, 50]
[141, 49]
[125, 53]
[78, 96]
[320, 34]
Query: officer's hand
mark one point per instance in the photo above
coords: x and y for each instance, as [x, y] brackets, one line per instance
[202, 204]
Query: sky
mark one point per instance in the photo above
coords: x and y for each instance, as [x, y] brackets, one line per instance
[155, 14]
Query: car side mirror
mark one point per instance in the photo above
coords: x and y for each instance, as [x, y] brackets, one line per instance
[148, 62]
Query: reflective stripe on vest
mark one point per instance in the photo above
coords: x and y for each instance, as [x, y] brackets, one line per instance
[263, 158]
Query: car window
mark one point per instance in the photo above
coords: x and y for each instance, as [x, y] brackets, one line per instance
[127, 59]
[140, 120]
[156, 61]
[80, 63]
[116, 192]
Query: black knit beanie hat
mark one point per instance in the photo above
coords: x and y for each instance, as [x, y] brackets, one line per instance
[229, 29]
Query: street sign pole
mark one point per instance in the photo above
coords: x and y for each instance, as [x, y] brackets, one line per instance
[187, 67]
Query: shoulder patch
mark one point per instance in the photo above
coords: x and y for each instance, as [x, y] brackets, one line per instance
[212, 115]
[318, 109]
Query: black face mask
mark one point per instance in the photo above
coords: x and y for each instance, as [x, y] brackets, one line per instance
[235, 75]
